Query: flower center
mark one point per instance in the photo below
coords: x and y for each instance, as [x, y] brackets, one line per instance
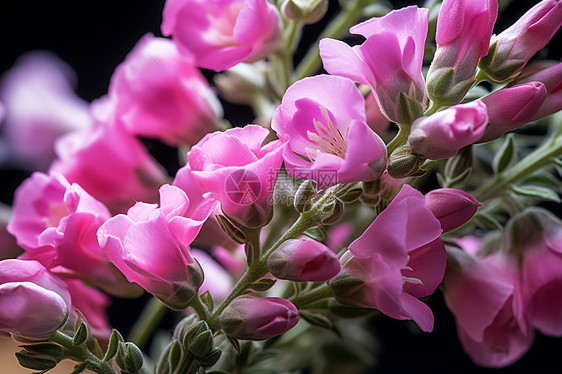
[327, 137]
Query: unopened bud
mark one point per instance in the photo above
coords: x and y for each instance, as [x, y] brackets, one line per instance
[333, 212]
[348, 285]
[307, 11]
[129, 358]
[451, 207]
[251, 318]
[403, 162]
[303, 260]
[304, 195]
[458, 165]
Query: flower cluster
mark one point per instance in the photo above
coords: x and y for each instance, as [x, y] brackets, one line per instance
[401, 183]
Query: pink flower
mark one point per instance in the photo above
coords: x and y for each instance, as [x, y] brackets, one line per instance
[112, 165]
[303, 260]
[40, 104]
[513, 48]
[229, 31]
[93, 305]
[33, 302]
[149, 246]
[534, 239]
[389, 61]
[512, 107]
[56, 224]
[551, 77]
[463, 36]
[398, 259]
[442, 134]
[323, 119]
[451, 207]
[485, 297]
[238, 171]
[159, 93]
[252, 318]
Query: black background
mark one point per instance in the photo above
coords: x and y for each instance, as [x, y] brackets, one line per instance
[94, 37]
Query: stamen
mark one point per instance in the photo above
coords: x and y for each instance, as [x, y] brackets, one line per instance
[328, 138]
[412, 280]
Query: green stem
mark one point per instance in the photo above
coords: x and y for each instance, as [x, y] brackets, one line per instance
[433, 107]
[200, 308]
[147, 322]
[399, 139]
[317, 294]
[82, 354]
[541, 157]
[349, 16]
[258, 269]
[252, 247]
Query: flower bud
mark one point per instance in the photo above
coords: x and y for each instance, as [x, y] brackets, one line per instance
[303, 260]
[33, 302]
[511, 108]
[333, 212]
[451, 207]
[129, 358]
[251, 318]
[442, 134]
[304, 194]
[464, 28]
[511, 50]
[551, 76]
[403, 162]
[307, 11]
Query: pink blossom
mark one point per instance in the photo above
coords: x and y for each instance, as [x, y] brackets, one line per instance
[218, 281]
[112, 165]
[534, 238]
[40, 105]
[232, 260]
[376, 119]
[486, 299]
[442, 134]
[149, 246]
[551, 77]
[252, 318]
[33, 302]
[229, 31]
[451, 207]
[323, 119]
[56, 223]
[389, 61]
[463, 36]
[93, 305]
[513, 48]
[512, 107]
[303, 260]
[238, 171]
[159, 93]
[398, 259]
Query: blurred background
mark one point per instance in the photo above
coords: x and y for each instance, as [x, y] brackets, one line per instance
[93, 38]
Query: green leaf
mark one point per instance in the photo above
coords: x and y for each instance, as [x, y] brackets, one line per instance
[81, 334]
[459, 179]
[537, 192]
[235, 342]
[176, 356]
[487, 221]
[113, 345]
[545, 180]
[30, 361]
[318, 320]
[262, 285]
[52, 350]
[316, 233]
[207, 299]
[211, 358]
[505, 155]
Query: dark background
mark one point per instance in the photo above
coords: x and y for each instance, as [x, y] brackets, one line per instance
[94, 37]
